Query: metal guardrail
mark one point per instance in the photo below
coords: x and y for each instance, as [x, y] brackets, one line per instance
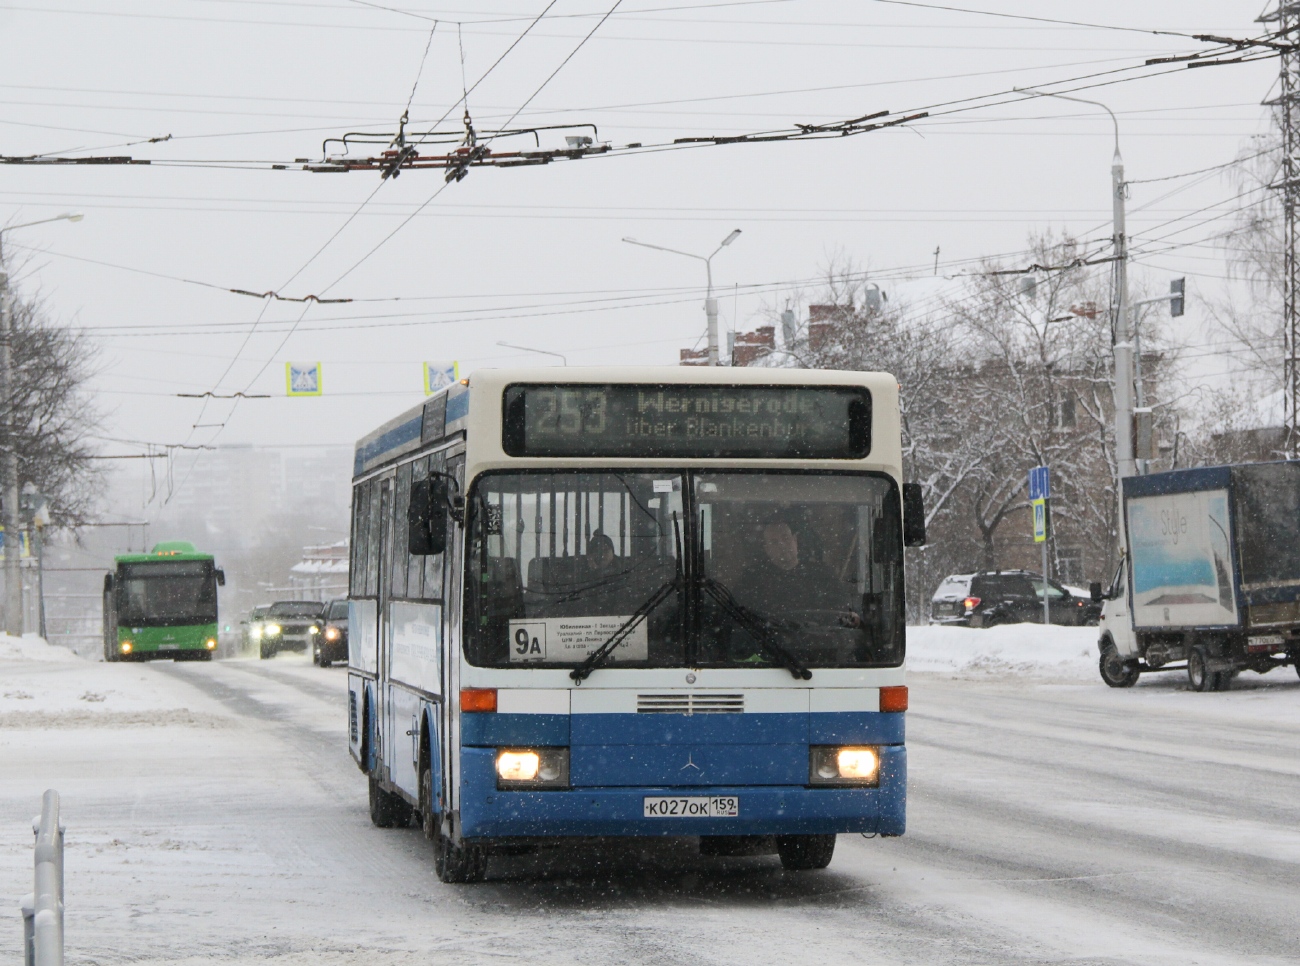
[43, 908]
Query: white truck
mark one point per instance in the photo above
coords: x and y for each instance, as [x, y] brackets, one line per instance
[1209, 580]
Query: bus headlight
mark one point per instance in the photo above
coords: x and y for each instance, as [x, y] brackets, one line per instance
[210, 643]
[270, 630]
[519, 768]
[840, 765]
[125, 647]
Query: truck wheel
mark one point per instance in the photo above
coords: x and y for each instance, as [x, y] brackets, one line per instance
[387, 810]
[1199, 677]
[800, 853]
[1117, 672]
[458, 863]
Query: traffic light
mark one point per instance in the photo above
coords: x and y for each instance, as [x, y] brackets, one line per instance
[1177, 288]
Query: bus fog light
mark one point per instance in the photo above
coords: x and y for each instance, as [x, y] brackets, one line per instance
[532, 768]
[837, 765]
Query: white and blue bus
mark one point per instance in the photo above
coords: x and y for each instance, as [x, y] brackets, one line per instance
[633, 602]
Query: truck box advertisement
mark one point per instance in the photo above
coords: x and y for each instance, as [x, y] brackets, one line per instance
[1182, 560]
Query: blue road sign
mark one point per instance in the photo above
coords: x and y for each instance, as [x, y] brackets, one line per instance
[1040, 520]
[1040, 484]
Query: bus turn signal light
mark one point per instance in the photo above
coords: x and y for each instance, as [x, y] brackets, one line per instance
[893, 698]
[478, 699]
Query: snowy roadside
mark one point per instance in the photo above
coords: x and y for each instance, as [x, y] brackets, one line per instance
[44, 686]
[1022, 650]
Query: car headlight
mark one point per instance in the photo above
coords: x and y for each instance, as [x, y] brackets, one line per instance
[841, 765]
[313, 630]
[331, 633]
[255, 631]
[520, 768]
[270, 630]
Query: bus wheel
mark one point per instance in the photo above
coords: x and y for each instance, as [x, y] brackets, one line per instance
[1199, 677]
[458, 863]
[1115, 671]
[800, 853]
[387, 810]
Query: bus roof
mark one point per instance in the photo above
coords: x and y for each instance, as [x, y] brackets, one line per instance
[447, 412]
[440, 415]
[168, 550]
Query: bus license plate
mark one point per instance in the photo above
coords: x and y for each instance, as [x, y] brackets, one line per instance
[717, 806]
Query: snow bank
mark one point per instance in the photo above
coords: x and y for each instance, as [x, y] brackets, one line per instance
[1024, 650]
[32, 648]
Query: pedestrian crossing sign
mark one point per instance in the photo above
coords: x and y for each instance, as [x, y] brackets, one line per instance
[302, 379]
[439, 375]
[1040, 520]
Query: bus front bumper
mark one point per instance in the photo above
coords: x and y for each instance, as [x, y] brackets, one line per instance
[487, 813]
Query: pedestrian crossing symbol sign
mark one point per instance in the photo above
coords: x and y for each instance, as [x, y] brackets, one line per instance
[439, 375]
[302, 378]
[1040, 520]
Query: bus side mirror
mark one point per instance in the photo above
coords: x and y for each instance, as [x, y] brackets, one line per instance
[108, 583]
[913, 515]
[221, 577]
[1094, 590]
[426, 518]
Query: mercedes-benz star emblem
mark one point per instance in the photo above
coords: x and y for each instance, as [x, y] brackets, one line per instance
[689, 763]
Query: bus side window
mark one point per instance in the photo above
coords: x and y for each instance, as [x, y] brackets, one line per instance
[374, 536]
[433, 562]
[415, 564]
[400, 561]
[360, 514]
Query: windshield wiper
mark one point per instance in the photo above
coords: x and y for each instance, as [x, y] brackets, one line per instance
[600, 654]
[761, 628]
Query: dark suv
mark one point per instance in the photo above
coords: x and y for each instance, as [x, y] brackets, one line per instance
[290, 625]
[331, 644]
[1007, 597]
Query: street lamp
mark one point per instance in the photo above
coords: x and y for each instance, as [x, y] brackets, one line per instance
[524, 348]
[710, 303]
[9, 457]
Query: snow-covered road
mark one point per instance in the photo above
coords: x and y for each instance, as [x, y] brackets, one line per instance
[214, 817]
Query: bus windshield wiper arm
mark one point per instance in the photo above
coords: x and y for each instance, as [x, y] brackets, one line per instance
[759, 626]
[602, 653]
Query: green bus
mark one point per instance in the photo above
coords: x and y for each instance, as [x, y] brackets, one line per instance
[162, 604]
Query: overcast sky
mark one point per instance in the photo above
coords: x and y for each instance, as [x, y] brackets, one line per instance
[533, 256]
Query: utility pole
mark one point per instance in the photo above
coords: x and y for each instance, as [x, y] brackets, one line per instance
[1286, 21]
[9, 445]
[9, 465]
[1125, 464]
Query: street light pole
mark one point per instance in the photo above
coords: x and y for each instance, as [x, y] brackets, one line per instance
[9, 456]
[1125, 463]
[710, 303]
[523, 348]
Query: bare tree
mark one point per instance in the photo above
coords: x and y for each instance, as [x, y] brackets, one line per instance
[52, 416]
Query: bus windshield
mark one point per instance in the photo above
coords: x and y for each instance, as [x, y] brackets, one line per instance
[736, 569]
[164, 594]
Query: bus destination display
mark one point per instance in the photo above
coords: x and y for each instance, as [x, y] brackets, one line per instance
[663, 421]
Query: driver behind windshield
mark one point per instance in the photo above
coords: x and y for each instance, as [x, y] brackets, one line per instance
[797, 580]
